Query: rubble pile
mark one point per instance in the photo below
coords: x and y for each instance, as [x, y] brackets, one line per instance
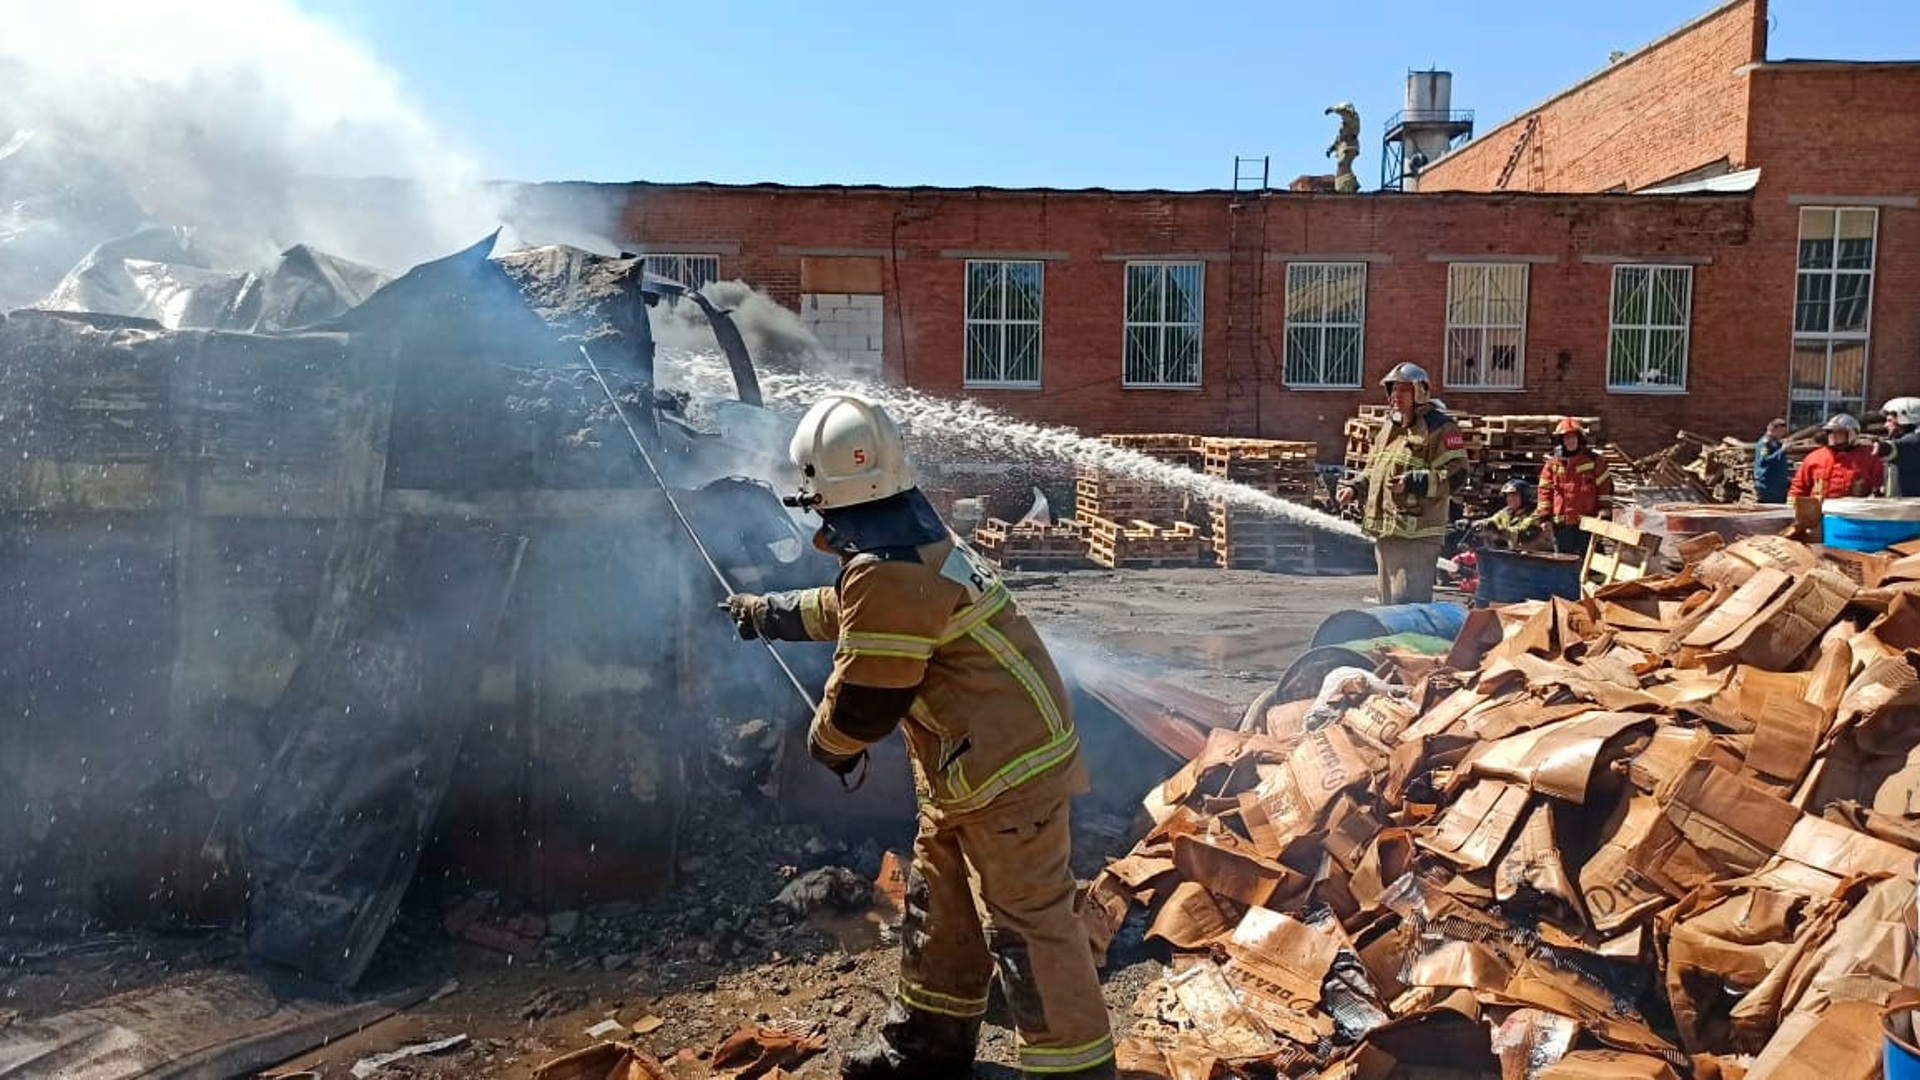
[1670, 829]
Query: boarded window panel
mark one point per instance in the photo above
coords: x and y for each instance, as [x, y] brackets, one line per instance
[1809, 374]
[1847, 374]
[852, 275]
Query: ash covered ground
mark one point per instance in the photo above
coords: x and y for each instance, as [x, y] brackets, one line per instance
[682, 971]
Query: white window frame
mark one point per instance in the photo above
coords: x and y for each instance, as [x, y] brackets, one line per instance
[968, 322]
[1161, 325]
[680, 262]
[1288, 324]
[1830, 402]
[1646, 329]
[1485, 269]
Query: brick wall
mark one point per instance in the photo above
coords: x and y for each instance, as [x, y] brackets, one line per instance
[1823, 130]
[1674, 106]
[1084, 240]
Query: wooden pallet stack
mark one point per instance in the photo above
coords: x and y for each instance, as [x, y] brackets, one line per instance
[1244, 538]
[1517, 446]
[1028, 546]
[1136, 544]
[1361, 427]
[1130, 522]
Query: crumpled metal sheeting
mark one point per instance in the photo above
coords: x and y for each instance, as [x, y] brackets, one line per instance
[1636, 835]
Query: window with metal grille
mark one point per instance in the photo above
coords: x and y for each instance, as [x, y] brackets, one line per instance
[1324, 337]
[1833, 299]
[1162, 345]
[1003, 323]
[1647, 331]
[693, 271]
[1486, 326]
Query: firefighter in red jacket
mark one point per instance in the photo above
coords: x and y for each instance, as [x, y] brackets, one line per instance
[1573, 485]
[1844, 467]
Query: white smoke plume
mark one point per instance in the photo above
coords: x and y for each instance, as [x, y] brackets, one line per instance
[233, 117]
[775, 336]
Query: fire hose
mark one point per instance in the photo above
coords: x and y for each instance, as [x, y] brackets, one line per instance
[713, 566]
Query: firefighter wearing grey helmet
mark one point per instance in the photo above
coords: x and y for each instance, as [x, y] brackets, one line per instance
[929, 640]
[1900, 449]
[1844, 467]
[1419, 460]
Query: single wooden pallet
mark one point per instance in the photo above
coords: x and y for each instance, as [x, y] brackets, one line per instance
[1616, 552]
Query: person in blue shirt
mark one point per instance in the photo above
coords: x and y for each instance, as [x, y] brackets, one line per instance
[1770, 467]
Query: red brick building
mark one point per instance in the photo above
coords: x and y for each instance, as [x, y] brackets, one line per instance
[1694, 237]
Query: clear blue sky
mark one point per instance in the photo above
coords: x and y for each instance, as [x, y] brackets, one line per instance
[1122, 93]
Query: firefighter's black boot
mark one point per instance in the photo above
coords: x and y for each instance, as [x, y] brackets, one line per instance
[916, 1045]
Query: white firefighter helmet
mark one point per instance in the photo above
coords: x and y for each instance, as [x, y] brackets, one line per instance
[1904, 411]
[849, 452]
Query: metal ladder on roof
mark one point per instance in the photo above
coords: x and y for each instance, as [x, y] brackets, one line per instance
[1246, 275]
[1519, 147]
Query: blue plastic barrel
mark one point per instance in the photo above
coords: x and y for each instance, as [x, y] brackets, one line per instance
[1507, 577]
[1869, 524]
[1899, 1056]
[1439, 619]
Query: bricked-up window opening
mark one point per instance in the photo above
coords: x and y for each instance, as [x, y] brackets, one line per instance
[693, 271]
[1647, 332]
[1486, 326]
[1326, 312]
[1003, 324]
[1163, 324]
[1831, 313]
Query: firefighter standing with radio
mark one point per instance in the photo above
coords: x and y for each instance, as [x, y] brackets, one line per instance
[1419, 460]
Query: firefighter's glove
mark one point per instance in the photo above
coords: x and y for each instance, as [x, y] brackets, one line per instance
[1417, 482]
[747, 611]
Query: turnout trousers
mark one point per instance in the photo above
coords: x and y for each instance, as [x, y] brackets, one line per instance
[1406, 569]
[995, 889]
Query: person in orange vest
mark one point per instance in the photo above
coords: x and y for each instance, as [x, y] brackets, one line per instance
[1573, 485]
[1844, 467]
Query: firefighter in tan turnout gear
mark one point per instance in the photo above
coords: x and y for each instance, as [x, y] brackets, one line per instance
[1419, 460]
[929, 640]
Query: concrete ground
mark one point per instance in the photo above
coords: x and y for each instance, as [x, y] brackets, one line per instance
[1225, 633]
